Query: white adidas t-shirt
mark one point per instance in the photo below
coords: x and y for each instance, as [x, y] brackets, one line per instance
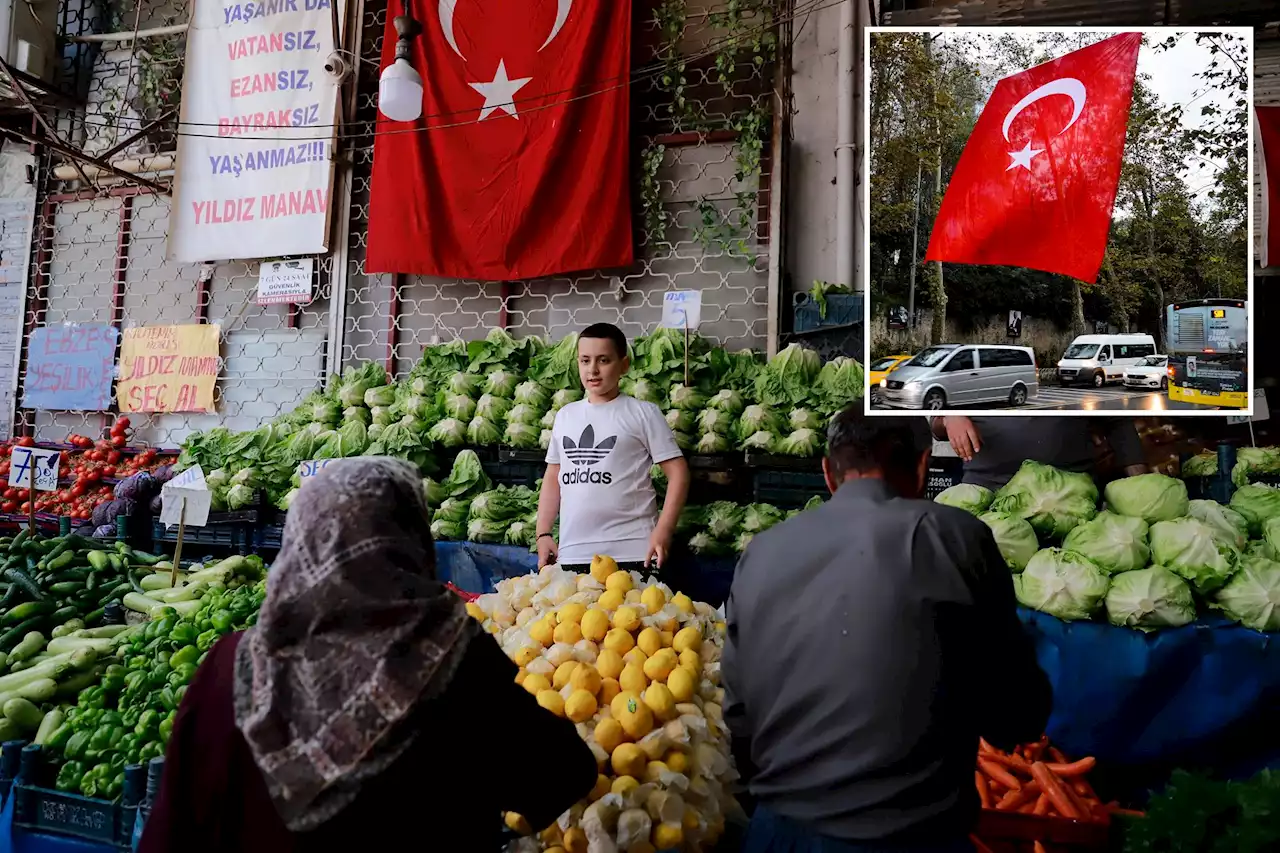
[607, 502]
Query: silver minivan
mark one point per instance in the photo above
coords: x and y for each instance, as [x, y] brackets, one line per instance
[954, 376]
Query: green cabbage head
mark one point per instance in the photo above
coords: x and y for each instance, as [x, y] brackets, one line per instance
[1252, 596]
[1115, 543]
[1152, 497]
[1053, 501]
[1015, 537]
[1256, 503]
[1063, 584]
[1188, 548]
[1226, 524]
[968, 497]
[1147, 599]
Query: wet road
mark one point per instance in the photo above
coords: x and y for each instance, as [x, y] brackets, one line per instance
[1112, 398]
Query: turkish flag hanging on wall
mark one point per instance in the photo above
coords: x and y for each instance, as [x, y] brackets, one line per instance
[519, 167]
[1269, 168]
[1037, 180]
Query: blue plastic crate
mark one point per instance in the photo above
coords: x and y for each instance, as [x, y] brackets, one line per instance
[843, 309]
[270, 536]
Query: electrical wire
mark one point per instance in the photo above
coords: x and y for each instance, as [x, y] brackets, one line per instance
[654, 72]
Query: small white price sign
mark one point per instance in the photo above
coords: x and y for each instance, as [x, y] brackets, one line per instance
[682, 309]
[186, 499]
[309, 469]
[1261, 411]
[27, 461]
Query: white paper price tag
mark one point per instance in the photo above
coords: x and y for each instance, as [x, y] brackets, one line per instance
[28, 460]
[1261, 411]
[309, 469]
[186, 499]
[682, 309]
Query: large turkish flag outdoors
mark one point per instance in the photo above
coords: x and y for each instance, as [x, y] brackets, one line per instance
[1269, 168]
[519, 167]
[1037, 180]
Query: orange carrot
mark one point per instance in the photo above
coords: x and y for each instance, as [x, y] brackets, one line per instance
[1053, 788]
[983, 746]
[1011, 760]
[1075, 768]
[1125, 812]
[1042, 806]
[1058, 756]
[1037, 847]
[984, 790]
[978, 846]
[995, 771]
[1016, 799]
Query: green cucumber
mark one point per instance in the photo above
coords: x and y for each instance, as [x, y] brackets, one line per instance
[14, 635]
[22, 579]
[26, 610]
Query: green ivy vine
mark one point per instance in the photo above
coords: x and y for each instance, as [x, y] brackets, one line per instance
[743, 45]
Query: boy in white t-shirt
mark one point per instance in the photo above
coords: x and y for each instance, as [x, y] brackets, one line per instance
[597, 481]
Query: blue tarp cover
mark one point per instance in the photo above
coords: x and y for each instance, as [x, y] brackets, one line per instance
[1197, 696]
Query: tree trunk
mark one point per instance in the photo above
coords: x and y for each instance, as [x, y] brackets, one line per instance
[1161, 337]
[937, 285]
[1077, 308]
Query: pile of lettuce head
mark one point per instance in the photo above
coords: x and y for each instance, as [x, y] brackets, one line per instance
[1149, 558]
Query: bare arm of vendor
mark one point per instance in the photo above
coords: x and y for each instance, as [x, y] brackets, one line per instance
[677, 474]
[548, 509]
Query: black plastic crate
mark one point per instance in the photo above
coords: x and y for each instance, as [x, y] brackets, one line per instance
[843, 310]
[235, 536]
[39, 808]
[270, 537]
[786, 482]
[516, 467]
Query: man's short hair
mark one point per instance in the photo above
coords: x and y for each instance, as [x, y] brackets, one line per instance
[857, 442]
[608, 332]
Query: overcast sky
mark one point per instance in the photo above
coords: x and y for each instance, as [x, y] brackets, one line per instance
[1171, 75]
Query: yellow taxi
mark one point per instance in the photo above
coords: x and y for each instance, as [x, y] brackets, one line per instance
[882, 367]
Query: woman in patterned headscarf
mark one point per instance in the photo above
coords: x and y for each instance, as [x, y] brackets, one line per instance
[364, 700]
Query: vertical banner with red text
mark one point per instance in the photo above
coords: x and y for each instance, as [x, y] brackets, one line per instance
[168, 369]
[258, 116]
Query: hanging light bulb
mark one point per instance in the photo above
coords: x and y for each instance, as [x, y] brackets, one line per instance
[400, 87]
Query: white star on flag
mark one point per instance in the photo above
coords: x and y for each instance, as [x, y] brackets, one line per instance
[1023, 158]
[499, 93]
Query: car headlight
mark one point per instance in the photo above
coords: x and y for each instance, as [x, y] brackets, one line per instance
[884, 383]
[914, 383]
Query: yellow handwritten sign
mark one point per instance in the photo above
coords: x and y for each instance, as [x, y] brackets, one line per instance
[168, 369]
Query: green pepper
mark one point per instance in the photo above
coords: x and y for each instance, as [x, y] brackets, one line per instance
[183, 674]
[178, 694]
[147, 723]
[183, 634]
[76, 745]
[69, 776]
[89, 786]
[205, 641]
[184, 655]
[118, 761]
[61, 735]
[91, 697]
[167, 698]
[222, 621]
[113, 682]
[112, 718]
[101, 737]
[155, 748]
[165, 730]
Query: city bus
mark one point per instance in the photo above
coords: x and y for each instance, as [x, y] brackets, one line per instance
[1208, 342]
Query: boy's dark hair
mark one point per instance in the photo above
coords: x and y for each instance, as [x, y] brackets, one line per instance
[860, 443]
[607, 332]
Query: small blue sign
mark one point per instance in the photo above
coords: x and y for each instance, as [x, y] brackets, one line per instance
[70, 368]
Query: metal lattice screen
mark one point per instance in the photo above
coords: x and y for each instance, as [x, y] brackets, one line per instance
[703, 183]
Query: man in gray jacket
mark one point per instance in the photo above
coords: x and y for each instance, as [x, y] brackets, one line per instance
[870, 643]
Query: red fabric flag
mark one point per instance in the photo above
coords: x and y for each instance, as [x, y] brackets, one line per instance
[522, 170]
[1269, 166]
[1037, 180]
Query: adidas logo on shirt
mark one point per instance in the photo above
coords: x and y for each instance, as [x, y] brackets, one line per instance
[587, 452]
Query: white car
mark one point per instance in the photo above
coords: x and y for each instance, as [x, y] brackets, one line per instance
[1150, 372]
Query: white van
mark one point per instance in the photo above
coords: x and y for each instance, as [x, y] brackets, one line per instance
[1099, 359]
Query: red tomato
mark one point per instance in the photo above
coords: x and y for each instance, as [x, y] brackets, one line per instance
[26, 441]
[118, 441]
[113, 458]
[123, 422]
[9, 506]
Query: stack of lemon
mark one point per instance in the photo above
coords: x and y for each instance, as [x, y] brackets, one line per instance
[636, 667]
